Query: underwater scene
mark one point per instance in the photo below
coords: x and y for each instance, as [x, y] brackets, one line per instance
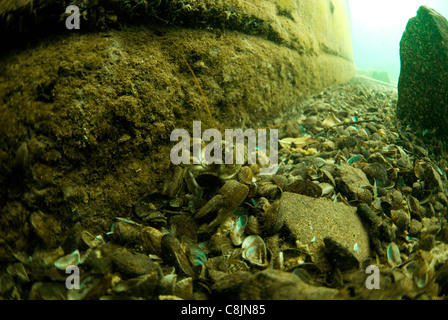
[223, 150]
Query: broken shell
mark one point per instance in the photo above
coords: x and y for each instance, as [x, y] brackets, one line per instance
[46, 227]
[313, 173]
[278, 261]
[393, 255]
[327, 189]
[331, 121]
[18, 271]
[198, 256]
[22, 158]
[48, 291]
[71, 259]
[149, 203]
[254, 251]
[236, 235]
[327, 176]
[296, 143]
[91, 241]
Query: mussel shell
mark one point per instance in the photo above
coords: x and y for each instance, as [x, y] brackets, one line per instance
[236, 235]
[68, 260]
[156, 219]
[253, 226]
[396, 198]
[393, 255]
[272, 219]
[432, 179]
[167, 283]
[198, 256]
[246, 176]
[173, 252]
[304, 187]
[268, 190]
[377, 172]
[419, 169]
[184, 227]
[126, 232]
[220, 244]
[364, 196]
[151, 240]
[401, 219]
[327, 189]
[254, 251]
[184, 288]
[280, 180]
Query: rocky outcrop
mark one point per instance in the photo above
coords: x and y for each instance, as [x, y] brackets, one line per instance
[423, 85]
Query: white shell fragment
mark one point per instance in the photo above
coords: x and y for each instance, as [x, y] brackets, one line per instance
[71, 259]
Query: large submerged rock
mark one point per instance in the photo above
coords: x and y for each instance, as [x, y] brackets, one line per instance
[423, 85]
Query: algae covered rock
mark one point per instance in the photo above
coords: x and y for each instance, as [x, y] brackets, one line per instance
[423, 85]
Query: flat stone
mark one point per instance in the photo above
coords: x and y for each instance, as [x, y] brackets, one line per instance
[422, 88]
[310, 220]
